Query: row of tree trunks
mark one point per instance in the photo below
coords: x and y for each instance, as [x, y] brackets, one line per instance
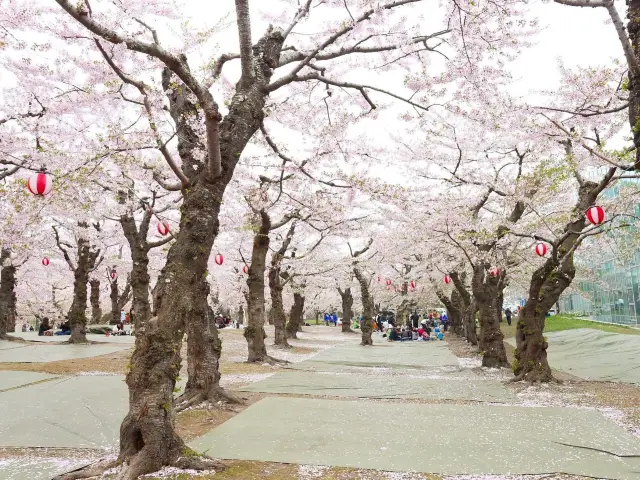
[294, 325]
[7, 294]
[347, 309]
[547, 284]
[487, 289]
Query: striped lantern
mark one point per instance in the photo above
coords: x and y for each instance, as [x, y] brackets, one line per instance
[541, 249]
[388, 282]
[494, 272]
[113, 274]
[219, 259]
[595, 215]
[447, 279]
[163, 228]
[245, 269]
[45, 261]
[39, 184]
[412, 284]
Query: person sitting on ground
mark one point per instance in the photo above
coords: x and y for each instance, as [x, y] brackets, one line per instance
[406, 334]
[119, 330]
[65, 329]
[414, 334]
[393, 334]
[44, 327]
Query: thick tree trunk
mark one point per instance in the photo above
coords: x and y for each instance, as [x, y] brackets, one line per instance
[469, 323]
[277, 307]
[254, 333]
[86, 261]
[115, 310]
[148, 439]
[547, 284]
[347, 309]
[486, 291]
[96, 310]
[7, 294]
[241, 315]
[633, 28]
[366, 326]
[453, 310]
[469, 308]
[138, 282]
[296, 316]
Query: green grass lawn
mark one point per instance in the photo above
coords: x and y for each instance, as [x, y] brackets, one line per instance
[557, 323]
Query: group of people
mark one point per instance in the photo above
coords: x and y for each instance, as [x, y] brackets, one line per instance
[47, 330]
[423, 333]
[330, 318]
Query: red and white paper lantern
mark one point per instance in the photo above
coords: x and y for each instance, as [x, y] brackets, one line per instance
[541, 249]
[163, 228]
[245, 269]
[39, 184]
[494, 272]
[447, 279]
[113, 274]
[45, 261]
[595, 215]
[412, 284]
[388, 282]
[219, 259]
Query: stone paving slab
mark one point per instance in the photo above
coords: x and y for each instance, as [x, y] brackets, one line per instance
[34, 337]
[395, 355]
[470, 439]
[37, 467]
[12, 352]
[10, 380]
[382, 386]
[70, 412]
[594, 355]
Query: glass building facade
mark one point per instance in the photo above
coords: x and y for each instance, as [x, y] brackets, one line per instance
[614, 296]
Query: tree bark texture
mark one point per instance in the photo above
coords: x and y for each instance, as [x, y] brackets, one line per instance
[113, 295]
[276, 287]
[241, 314]
[7, 294]
[254, 332]
[86, 262]
[347, 309]
[296, 316]
[486, 291]
[633, 29]
[366, 326]
[139, 280]
[96, 309]
[469, 308]
[453, 310]
[547, 284]
[277, 306]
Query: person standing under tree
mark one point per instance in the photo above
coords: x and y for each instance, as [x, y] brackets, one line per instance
[507, 313]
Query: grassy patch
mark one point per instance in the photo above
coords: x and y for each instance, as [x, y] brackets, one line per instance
[195, 423]
[109, 363]
[558, 323]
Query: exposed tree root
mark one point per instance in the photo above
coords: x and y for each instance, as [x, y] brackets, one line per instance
[139, 466]
[196, 397]
[268, 359]
[533, 376]
[88, 471]
[11, 338]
